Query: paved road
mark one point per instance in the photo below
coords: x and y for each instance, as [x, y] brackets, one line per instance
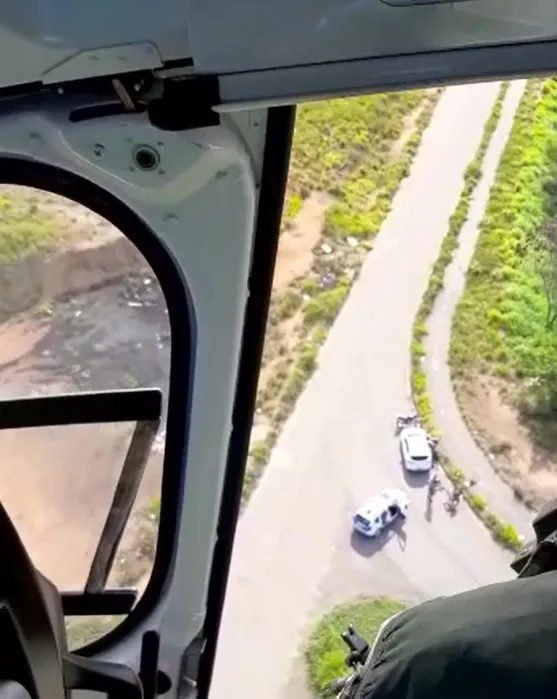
[294, 554]
[457, 440]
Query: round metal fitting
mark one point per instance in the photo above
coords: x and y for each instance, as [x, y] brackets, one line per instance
[146, 158]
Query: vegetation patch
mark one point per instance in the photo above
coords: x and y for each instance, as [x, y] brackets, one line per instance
[356, 150]
[505, 325]
[325, 651]
[502, 531]
[83, 630]
[24, 225]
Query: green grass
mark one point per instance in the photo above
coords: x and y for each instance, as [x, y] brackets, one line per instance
[24, 227]
[347, 147]
[499, 327]
[358, 150]
[503, 532]
[84, 630]
[325, 650]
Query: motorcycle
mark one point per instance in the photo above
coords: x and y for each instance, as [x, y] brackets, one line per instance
[406, 421]
[453, 502]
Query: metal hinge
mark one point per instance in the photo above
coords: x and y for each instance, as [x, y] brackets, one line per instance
[177, 103]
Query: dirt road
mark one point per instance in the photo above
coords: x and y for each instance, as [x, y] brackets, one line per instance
[294, 554]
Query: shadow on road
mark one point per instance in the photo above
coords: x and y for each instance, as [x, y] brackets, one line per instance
[399, 529]
[429, 509]
[430, 506]
[416, 480]
[367, 548]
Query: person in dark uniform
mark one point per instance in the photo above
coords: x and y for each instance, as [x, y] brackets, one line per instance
[495, 642]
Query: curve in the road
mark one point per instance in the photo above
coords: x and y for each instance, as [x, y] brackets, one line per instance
[459, 444]
[294, 554]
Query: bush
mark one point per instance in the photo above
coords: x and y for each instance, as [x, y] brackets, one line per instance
[84, 630]
[324, 306]
[292, 205]
[477, 502]
[325, 651]
[25, 226]
[345, 147]
[287, 304]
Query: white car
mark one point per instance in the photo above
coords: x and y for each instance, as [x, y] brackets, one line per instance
[415, 449]
[380, 511]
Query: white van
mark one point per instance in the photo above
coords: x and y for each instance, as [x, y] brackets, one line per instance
[381, 511]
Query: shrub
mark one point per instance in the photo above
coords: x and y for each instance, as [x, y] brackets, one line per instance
[499, 323]
[325, 650]
[292, 205]
[477, 502]
[325, 305]
[24, 227]
[288, 303]
[259, 453]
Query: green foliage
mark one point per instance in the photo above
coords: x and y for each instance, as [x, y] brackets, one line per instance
[500, 325]
[325, 305]
[303, 369]
[358, 150]
[154, 508]
[287, 303]
[325, 651]
[23, 227]
[85, 629]
[504, 533]
[292, 205]
[259, 453]
[477, 502]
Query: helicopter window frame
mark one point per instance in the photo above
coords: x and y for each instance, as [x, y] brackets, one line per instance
[179, 303]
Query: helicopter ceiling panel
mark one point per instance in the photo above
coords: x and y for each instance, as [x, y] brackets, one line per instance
[63, 40]
[301, 32]
[55, 40]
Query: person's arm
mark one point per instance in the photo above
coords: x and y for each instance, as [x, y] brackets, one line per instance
[496, 642]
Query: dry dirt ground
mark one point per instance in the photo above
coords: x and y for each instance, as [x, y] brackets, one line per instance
[529, 469]
[295, 253]
[58, 481]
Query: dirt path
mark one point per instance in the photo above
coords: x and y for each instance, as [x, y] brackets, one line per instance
[457, 440]
[295, 252]
[294, 553]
